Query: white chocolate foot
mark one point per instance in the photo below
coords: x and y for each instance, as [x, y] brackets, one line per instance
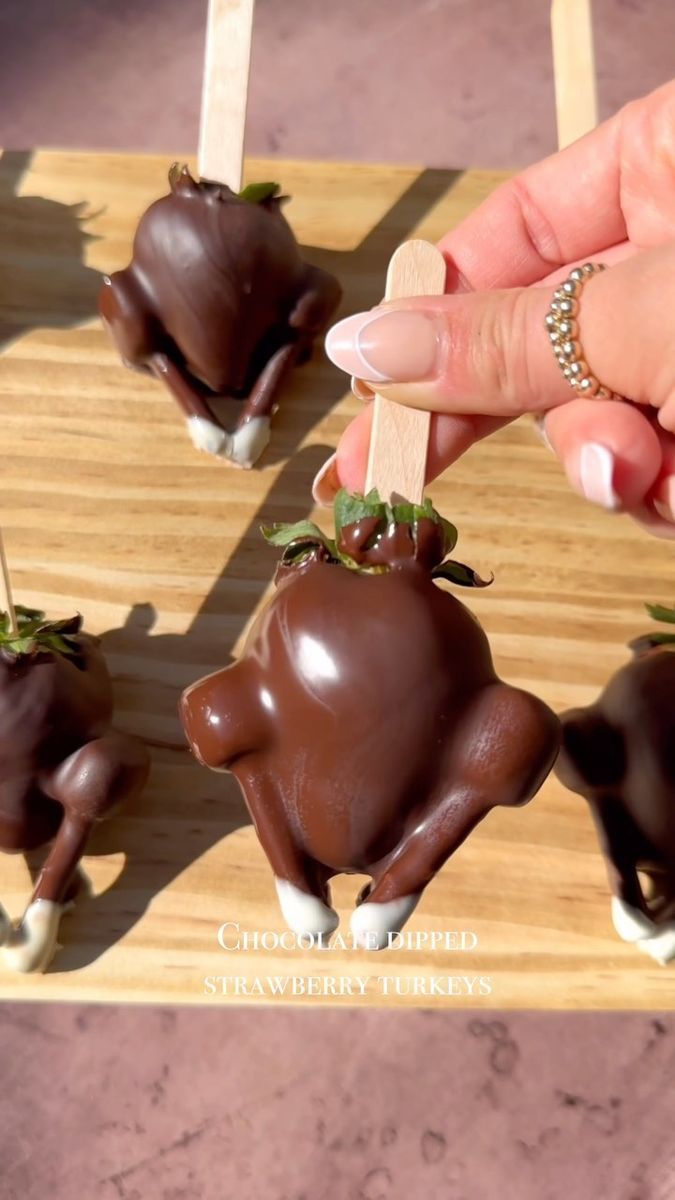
[305, 914]
[249, 441]
[630, 924]
[658, 941]
[207, 436]
[372, 923]
[660, 945]
[32, 946]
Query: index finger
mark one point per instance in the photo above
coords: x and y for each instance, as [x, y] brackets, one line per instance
[614, 184]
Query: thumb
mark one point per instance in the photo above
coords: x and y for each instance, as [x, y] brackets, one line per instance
[490, 353]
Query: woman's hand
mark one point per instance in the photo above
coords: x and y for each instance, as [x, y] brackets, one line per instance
[480, 356]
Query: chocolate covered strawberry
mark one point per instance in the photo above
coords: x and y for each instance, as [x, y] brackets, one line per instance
[619, 753]
[62, 768]
[217, 302]
[364, 719]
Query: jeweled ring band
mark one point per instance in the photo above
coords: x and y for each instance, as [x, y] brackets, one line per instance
[562, 324]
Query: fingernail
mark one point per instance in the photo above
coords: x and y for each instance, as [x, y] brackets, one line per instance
[327, 482]
[665, 505]
[385, 347]
[596, 475]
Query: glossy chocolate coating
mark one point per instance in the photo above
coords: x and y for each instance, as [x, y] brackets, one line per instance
[619, 753]
[61, 767]
[217, 301]
[366, 725]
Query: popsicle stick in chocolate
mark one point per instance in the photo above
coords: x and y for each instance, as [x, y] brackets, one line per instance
[7, 601]
[573, 69]
[225, 91]
[400, 436]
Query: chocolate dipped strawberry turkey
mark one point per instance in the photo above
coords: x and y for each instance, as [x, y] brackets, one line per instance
[217, 302]
[619, 754]
[62, 768]
[364, 720]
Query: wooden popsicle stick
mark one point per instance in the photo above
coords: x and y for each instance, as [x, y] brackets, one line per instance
[225, 91]
[573, 69]
[399, 437]
[7, 588]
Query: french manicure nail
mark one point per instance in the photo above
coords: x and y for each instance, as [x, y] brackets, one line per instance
[385, 347]
[665, 505]
[326, 483]
[596, 475]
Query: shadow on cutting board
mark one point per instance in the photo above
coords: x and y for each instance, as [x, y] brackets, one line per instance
[44, 281]
[186, 810]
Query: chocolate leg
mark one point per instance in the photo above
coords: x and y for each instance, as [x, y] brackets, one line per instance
[253, 427]
[310, 315]
[204, 430]
[619, 842]
[251, 436]
[621, 845]
[301, 883]
[89, 785]
[592, 762]
[509, 774]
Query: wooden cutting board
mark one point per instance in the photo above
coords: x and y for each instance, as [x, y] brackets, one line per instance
[109, 510]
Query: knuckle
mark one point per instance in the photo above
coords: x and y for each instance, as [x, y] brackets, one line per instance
[503, 363]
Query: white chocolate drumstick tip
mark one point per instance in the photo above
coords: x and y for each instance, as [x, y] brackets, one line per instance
[207, 436]
[248, 442]
[303, 913]
[630, 924]
[32, 946]
[372, 923]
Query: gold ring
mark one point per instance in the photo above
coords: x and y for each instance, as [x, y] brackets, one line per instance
[562, 326]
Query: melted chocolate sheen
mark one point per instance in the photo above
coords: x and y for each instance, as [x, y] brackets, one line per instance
[348, 717]
[372, 543]
[49, 707]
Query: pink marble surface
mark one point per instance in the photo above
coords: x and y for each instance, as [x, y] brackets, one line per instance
[439, 82]
[168, 1104]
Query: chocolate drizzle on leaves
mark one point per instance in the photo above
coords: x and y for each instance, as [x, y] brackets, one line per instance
[36, 635]
[373, 537]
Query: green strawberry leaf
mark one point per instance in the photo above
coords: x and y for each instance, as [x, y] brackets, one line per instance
[659, 612]
[299, 540]
[35, 634]
[19, 645]
[281, 534]
[456, 572]
[258, 193]
[661, 639]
